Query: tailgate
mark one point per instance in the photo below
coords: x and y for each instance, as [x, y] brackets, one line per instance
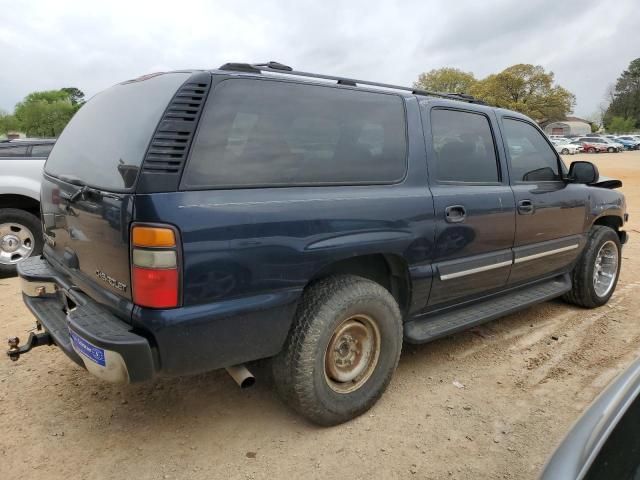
[88, 235]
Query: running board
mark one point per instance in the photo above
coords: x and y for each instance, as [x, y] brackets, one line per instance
[440, 325]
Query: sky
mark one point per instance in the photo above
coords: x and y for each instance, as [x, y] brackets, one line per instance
[93, 45]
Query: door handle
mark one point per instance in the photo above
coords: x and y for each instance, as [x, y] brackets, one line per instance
[525, 207]
[455, 213]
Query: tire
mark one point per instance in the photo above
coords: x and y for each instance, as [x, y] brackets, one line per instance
[611, 150]
[591, 150]
[302, 371]
[18, 226]
[565, 151]
[584, 292]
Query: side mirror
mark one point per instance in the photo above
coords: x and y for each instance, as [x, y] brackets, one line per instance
[583, 172]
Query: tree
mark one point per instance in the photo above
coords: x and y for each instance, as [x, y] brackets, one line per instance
[625, 101]
[8, 123]
[451, 80]
[528, 89]
[76, 96]
[46, 113]
[621, 125]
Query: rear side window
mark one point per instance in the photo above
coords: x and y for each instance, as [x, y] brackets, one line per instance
[464, 148]
[13, 151]
[270, 133]
[41, 150]
[531, 158]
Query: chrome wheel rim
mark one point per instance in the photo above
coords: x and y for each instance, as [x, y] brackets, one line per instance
[16, 243]
[605, 269]
[352, 354]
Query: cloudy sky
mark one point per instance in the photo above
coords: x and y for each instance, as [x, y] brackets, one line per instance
[92, 45]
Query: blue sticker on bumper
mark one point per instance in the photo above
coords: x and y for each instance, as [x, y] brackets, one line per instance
[87, 349]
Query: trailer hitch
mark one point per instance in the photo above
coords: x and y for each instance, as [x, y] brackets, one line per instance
[35, 340]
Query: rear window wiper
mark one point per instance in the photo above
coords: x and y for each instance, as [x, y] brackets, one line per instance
[73, 180]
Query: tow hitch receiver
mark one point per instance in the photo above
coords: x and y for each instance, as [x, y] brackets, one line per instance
[35, 340]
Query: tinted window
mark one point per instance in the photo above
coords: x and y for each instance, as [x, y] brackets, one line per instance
[620, 455]
[13, 151]
[41, 150]
[108, 137]
[257, 132]
[464, 148]
[531, 157]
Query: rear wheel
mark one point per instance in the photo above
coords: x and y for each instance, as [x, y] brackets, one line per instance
[342, 350]
[611, 150]
[591, 150]
[20, 238]
[595, 276]
[565, 151]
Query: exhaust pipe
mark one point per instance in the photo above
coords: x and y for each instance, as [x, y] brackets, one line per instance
[243, 377]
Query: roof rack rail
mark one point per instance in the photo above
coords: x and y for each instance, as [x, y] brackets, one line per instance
[276, 67]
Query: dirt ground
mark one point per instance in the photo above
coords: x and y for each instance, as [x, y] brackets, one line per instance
[526, 378]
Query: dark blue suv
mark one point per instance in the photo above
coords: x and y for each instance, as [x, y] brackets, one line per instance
[197, 220]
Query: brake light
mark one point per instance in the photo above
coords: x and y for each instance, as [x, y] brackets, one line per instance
[154, 267]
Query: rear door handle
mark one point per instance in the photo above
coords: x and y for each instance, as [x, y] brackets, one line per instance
[455, 213]
[525, 207]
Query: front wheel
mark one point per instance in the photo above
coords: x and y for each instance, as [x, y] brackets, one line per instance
[611, 150]
[20, 238]
[342, 349]
[591, 150]
[565, 151]
[596, 274]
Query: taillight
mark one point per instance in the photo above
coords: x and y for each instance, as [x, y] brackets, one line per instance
[154, 267]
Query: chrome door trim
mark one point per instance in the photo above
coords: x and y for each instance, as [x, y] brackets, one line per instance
[546, 253]
[471, 271]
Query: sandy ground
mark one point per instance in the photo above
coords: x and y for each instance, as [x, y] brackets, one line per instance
[522, 391]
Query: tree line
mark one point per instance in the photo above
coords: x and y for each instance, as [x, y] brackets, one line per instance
[43, 114]
[531, 90]
[525, 88]
[622, 107]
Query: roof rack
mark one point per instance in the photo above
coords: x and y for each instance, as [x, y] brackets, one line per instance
[276, 67]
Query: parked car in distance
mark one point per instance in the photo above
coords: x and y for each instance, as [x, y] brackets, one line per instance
[629, 142]
[610, 146]
[565, 148]
[281, 217]
[605, 442]
[21, 163]
[579, 146]
[592, 147]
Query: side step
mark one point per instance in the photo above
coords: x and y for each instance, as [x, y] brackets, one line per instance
[438, 325]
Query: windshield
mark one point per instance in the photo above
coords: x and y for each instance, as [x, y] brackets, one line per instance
[104, 143]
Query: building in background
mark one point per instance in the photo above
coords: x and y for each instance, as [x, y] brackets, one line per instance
[568, 126]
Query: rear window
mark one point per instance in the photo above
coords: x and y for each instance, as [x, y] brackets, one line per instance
[108, 137]
[271, 133]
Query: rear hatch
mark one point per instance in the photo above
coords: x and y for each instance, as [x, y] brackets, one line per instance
[88, 186]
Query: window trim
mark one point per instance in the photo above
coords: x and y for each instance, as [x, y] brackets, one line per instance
[544, 137]
[182, 187]
[434, 181]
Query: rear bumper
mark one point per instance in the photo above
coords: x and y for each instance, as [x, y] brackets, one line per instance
[86, 332]
[180, 341]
